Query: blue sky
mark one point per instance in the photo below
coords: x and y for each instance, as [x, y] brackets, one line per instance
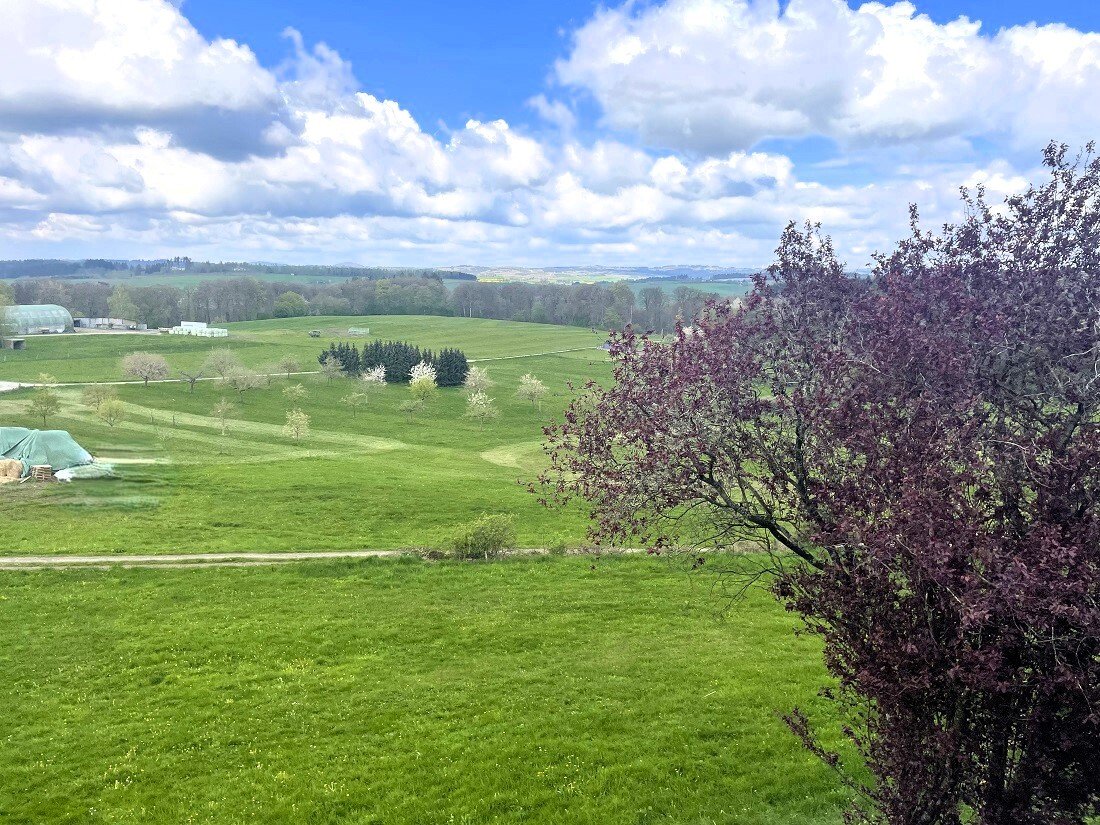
[450, 61]
[427, 133]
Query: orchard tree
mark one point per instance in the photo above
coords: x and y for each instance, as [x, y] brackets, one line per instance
[145, 366]
[221, 362]
[482, 409]
[355, 401]
[111, 411]
[297, 425]
[422, 385]
[94, 395]
[478, 380]
[191, 376]
[44, 403]
[531, 389]
[411, 407]
[919, 454]
[374, 377]
[244, 380]
[222, 412]
[332, 368]
[294, 393]
[289, 364]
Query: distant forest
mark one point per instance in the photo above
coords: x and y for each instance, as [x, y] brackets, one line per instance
[247, 299]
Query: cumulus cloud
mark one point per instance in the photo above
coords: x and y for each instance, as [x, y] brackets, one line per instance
[715, 75]
[124, 131]
[73, 65]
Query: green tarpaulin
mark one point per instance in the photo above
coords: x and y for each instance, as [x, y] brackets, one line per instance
[34, 447]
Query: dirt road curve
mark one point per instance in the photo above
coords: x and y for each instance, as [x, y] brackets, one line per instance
[186, 559]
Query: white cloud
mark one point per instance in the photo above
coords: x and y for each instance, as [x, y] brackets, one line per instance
[166, 143]
[84, 64]
[716, 75]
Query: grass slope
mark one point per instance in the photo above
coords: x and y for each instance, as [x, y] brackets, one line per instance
[95, 357]
[374, 479]
[555, 690]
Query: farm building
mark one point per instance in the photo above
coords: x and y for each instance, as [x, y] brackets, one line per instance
[37, 319]
[200, 329]
[108, 323]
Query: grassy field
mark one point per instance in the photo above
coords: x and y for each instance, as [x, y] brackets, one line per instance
[375, 479]
[560, 690]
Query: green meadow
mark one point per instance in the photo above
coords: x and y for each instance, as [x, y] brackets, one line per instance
[556, 690]
[373, 478]
[546, 689]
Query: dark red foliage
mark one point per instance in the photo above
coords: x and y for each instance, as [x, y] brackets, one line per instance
[920, 452]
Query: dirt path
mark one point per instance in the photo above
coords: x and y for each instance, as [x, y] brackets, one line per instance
[186, 559]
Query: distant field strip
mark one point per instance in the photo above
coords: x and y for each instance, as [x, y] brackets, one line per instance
[529, 355]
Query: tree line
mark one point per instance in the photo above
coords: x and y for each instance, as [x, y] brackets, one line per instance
[596, 306]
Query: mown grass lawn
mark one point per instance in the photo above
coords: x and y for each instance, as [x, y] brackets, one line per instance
[375, 478]
[558, 690]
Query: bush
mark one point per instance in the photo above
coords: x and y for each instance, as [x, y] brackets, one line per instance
[484, 538]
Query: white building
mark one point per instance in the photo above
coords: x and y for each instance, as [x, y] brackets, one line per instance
[200, 329]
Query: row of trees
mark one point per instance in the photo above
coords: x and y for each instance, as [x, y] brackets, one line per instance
[247, 299]
[398, 359]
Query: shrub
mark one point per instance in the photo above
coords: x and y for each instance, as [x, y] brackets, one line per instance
[484, 538]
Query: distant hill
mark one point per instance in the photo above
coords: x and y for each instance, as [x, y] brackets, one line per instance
[567, 274]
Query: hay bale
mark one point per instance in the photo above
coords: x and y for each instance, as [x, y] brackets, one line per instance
[10, 470]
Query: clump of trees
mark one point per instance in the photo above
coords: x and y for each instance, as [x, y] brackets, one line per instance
[398, 358]
[917, 451]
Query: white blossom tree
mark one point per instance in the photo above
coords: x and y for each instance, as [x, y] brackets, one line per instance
[478, 380]
[482, 409]
[146, 366]
[422, 383]
[375, 376]
[531, 389]
[297, 425]
[294, 393]
[221, 362]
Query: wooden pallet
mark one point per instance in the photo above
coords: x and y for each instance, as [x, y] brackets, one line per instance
[42, 472]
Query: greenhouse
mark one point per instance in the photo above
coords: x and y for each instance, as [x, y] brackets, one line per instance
[37, 319]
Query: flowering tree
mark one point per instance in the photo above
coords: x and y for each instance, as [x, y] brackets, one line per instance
[919, 453]
[331, 368]
[222, 410]
[221, 362]
[145, 366]
[355, 401]
[297, 425]
[422, 384]
[481, 408]
[531, 389]
[294, 393]
[374, 377]
[478, 380]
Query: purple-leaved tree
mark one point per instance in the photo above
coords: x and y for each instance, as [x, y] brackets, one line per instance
[918, 453]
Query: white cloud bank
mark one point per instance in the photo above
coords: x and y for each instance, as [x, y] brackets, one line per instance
[124, 132]
[718, 75]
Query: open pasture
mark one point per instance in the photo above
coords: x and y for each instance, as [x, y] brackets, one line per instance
[564, 690]
[373, 478]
